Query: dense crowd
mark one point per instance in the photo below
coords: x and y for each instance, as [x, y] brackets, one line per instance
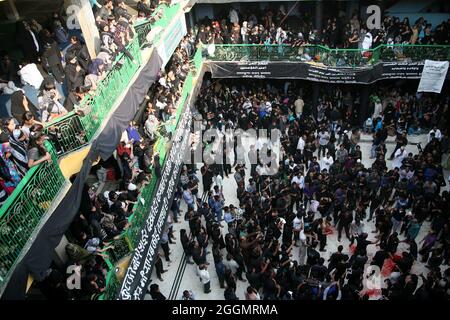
[273, 26]
[107, 205]
[321, 186]
[49, 83]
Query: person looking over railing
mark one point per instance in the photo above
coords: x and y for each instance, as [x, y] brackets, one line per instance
[18, 142]
[145, 7]
[49, 104]
[9, 169]
[30, 125]
[96, 74]
[37, 153]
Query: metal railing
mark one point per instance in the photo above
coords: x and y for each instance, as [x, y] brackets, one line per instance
[141, 209]
[24, 210]
[78, 127]
[112, 286]
[329, 57]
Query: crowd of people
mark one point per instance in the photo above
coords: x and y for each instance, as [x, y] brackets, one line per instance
[52, 57]
[54, 77]
[107, 204]
[22, 147]
[321, 186]
[274, 25]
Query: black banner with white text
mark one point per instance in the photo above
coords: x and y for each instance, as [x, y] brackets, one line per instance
[306, 71]
[134, 286]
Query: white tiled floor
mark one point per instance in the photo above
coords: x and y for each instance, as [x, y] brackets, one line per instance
[190, 280]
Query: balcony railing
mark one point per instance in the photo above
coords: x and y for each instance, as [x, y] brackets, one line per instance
[329, 57]
[78, 127]
[130, 238]
[25, 210]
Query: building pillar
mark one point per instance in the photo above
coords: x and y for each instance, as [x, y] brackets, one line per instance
[319, 14]
[86, 21]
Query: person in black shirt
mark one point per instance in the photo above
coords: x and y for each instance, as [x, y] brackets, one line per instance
[379, 257]
[362, 243]
[155, 293]
[335, 258]
[319, 271]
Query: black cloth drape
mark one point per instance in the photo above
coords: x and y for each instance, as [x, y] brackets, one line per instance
[39, 257]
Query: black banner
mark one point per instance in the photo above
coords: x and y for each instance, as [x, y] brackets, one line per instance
[307, 71]
[41, 254]
[136, 280]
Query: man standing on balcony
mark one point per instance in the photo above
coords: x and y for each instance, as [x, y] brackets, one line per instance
[244, 32]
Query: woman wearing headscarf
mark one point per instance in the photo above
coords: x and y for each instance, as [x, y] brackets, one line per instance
[51, 56]
[5, 154]
[37, 152]
[96, 73]
[6, 185]
[74, 72]
[20, 104]
[19, 145]
[49, 103]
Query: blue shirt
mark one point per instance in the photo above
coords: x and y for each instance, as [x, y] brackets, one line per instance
[187, 196]
[228, 217]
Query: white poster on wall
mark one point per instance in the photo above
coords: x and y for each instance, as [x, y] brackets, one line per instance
[433, 76]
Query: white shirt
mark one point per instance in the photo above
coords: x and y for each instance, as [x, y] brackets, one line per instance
[437, 134]
[326, 162]
[31, 75]
[324, 138]
[367, 42]
[377, 110]
[204, 275]
[301, 144]
[247, 106]
[297, 223]
[299, 104]
[231, 265]
[398, 158]
[300, 181]
[217, 181]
